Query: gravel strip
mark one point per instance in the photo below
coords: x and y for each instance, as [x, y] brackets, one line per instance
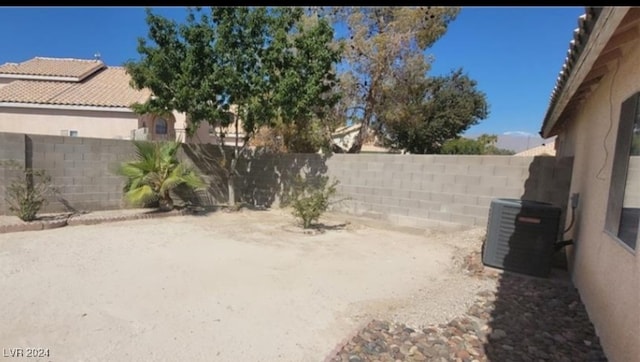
[527, 319]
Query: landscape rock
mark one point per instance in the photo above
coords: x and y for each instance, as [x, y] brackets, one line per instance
[526, 319]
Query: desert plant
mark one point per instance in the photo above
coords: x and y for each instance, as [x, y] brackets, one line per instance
[26, 194]
[310, 198]
[155, 173]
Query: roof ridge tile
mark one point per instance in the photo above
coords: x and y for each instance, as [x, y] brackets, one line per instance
[67, 59]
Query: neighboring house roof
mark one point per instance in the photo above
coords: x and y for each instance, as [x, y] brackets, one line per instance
[368, 148]
[601, 33]
[344, 137]
[344, 130]
[548, 149]
[102, 87]
[52, 67]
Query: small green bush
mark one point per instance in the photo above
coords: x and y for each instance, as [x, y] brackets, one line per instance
[310, 198]
[26, 194]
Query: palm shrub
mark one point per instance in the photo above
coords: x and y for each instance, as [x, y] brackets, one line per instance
[155, 172]
[310, 198]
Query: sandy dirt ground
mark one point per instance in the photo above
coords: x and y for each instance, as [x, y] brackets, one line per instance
[245, 286]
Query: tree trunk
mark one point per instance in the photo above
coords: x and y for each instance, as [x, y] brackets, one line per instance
[232, 190]
[165, 203]
[231, 184]
[359, 140]
[366, 120]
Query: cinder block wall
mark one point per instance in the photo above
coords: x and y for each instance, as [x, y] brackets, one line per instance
[416, 190]
[12, 148]
[82, 169]
[411, 190]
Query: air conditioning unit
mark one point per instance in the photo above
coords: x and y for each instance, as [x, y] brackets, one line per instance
[521, 235]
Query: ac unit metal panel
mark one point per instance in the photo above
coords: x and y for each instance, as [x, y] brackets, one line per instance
[521, 236]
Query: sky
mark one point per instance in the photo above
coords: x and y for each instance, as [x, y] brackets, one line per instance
[514, 53]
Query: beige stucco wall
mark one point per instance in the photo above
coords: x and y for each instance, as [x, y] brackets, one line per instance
[51, 121]
[95, 124]
[605, 271]
[201, 135]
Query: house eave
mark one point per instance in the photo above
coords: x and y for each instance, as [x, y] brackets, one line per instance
[65, 107]
[49, 78]
[604, 27]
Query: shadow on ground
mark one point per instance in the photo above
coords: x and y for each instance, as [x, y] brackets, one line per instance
[329, 227]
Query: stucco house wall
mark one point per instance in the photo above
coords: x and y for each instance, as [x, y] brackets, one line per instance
[201, 136]
[88, 123]
[606, 272]
[95, 124]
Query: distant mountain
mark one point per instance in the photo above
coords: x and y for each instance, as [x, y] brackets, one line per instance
[518, 141]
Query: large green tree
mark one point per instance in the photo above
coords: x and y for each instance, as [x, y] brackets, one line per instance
[378, 41]
[485, 144]
[272, 64]
[418, 113]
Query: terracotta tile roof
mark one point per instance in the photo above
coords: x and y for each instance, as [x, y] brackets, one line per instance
[581, 35]
[53, 67]
[108, 87]
[24, 91]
